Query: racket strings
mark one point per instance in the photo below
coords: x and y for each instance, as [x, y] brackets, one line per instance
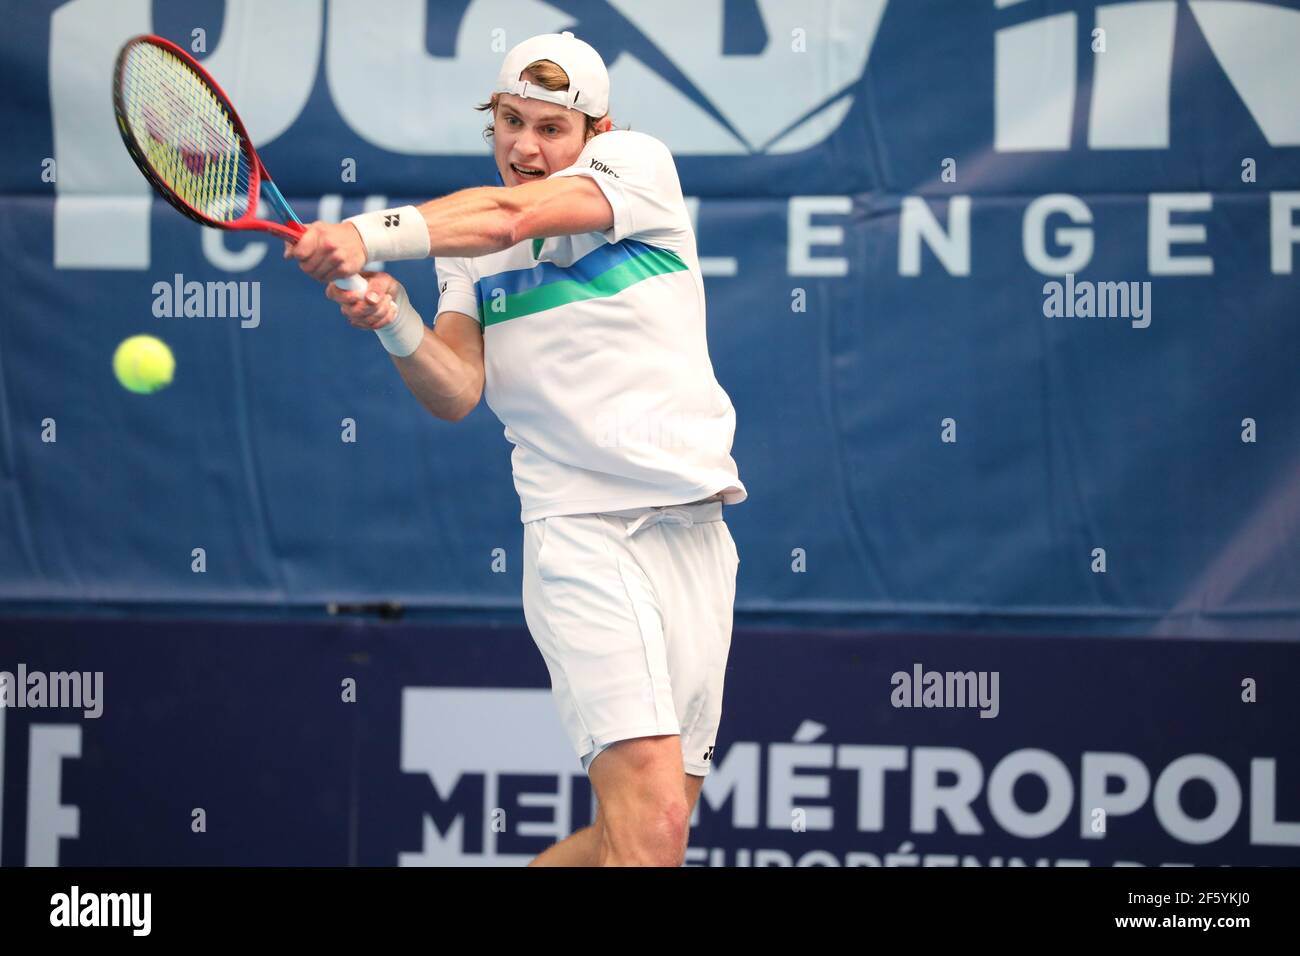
[185, 133]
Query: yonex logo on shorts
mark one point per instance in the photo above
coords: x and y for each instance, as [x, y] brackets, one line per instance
[708, 754]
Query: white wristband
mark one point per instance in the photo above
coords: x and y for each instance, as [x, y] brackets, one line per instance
[403, 335]
[393, 234]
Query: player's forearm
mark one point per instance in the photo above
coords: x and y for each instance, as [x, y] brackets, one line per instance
[444, 383]
[472, 222]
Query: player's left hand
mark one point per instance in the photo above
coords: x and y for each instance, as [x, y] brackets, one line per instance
[328, 251]
[373, 309]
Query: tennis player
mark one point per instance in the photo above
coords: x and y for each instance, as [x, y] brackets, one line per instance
[572, 293]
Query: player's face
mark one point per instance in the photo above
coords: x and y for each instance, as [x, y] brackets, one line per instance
[534, 138]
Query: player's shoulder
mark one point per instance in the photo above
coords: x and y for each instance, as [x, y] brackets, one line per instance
[450, 262]
[632, 138]
[629, 142]
[446, 266]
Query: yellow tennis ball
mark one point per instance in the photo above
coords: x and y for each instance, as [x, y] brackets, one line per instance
[143, 364]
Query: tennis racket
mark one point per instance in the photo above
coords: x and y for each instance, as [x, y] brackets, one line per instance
[184, 134]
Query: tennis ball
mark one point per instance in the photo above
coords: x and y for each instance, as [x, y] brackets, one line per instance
[143, 364]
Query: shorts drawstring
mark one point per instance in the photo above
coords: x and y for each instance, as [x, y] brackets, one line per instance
[671, 514]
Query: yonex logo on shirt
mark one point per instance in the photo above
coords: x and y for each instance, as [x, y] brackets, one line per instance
[600, 167]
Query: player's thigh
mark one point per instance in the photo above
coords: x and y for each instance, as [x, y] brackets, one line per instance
[638, 776]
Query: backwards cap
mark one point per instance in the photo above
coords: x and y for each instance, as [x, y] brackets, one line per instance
[588, 89]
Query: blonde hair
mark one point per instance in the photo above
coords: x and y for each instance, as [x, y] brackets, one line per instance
[547, 75]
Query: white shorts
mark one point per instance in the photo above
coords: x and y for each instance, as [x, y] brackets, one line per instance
[632, 613]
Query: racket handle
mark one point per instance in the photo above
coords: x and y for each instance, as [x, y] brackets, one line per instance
[351, 284]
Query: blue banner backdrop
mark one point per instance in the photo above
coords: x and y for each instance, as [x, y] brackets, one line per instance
[886, 192]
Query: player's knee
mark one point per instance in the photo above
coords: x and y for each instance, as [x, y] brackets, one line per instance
[668, 826]
[646, 813]
[653, 831]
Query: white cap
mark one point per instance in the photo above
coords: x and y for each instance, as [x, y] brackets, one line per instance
[588, 79]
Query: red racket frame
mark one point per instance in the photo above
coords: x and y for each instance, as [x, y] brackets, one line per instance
[257, 174]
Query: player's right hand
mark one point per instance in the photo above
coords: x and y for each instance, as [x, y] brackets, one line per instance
[374, 309]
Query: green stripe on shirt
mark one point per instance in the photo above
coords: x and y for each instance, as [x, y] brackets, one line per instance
[653, 262]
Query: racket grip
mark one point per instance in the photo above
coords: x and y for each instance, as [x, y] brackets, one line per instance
[351, 284]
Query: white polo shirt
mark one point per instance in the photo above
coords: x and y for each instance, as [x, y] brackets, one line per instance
[595, 352]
